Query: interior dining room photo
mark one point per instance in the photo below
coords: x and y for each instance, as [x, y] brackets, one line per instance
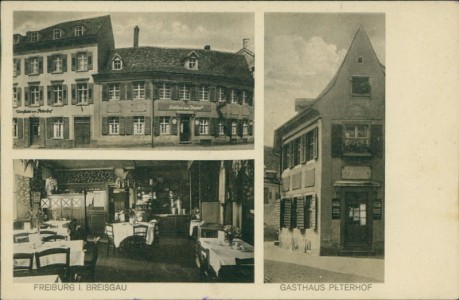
[133, 221]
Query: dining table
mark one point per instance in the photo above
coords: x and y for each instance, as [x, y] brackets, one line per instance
[76, 252]
[222, 254]
[123, 230]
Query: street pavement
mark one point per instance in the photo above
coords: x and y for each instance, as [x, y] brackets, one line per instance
[282, 265]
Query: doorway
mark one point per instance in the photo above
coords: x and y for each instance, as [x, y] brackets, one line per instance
[357, 223]
[35, 131]
[82, 127]
[185, 129]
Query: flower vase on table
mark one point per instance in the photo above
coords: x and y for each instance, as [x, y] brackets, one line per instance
[232, 232]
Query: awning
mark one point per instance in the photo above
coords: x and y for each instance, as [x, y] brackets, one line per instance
[356, 183]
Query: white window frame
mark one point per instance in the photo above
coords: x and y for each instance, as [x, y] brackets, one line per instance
[117, 63]
[245, 128]
[203, 126]
[192, 63]
[165, 91]
[113, 126]
[353, 135]
[184, 92]
[15, 128]
[221, 97]
[58, 65]
[233, 96]
[57, 34]
[15, 95]
[221, 127]
[82, 93]
[79, 30]
[34, 95]
[203, 93]
[233, 127]
[244, 97]
[164, 125]
[34, 37]
[58, 93]
[139, 125]
[16, 39]
[138, 90]
[58, 128]
[82, 61]
[15, 67]
[114, 91]
[34, 65]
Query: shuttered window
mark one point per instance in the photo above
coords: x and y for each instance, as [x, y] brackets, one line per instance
[287, 213]
[357, 139]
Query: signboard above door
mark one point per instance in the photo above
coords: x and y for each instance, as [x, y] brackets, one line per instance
[356, 172]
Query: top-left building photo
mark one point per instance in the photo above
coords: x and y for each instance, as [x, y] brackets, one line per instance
[133, 80]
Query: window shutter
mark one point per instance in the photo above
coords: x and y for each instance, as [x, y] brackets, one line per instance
[121, 120]
[250, 98]
[212, 125]
[19, 98]
[129, 91]
[337, 140]
[64, 94]
[156, 126]
[50, 94]
[40, 64]
[250, 128]
[122, 91]
[42, 100]
[228, 95]
[74, 95]
[277, 213]
[49, 60]
[27, 131]
[18, 66]
[155, 92]
[174, 92]
[228, 127]
[313, 212]
[129, 125]
[300, 213]
[66, 128]
[377, 145]
[74, 62]
[26, 66]
[287, 212]
[148, 90]
[194, 93]
[20, 128]
[42, 124]
[49, 128]
[307, 211]
[174, 127]
[90, 93]
[196, 128]
[239, 128]
[26, 96]
[64, 63]
[316, 142]
[239, 96]
[147, 125]
[104, 92]
[104, 126]
[89, 60]
[212, 94]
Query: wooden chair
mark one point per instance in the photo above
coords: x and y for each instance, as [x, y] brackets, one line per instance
[206, 273]
[138, 241]
[21, 237]
[25, 270]
[245, 269]
[45, 233]
[53, 238]
[60, 268]
[87, 272]
[110, 239]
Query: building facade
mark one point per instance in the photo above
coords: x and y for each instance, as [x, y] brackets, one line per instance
[53, 88]
[332, 162]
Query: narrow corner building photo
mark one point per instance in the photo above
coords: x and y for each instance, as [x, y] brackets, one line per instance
[72, 87]
[331, 148]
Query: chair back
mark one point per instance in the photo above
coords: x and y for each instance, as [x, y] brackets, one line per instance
[95, 253]
[245, 269]
[203, 256]
[22, 237]
[109, 231]
[19, 269]
[140, 230]
[53, 238]
[47, 262]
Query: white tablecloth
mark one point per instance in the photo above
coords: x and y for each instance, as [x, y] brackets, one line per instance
[195, 223]
[221, 254]
[123, 230]
[76, 252]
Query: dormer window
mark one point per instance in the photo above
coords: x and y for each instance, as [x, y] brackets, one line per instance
[79, 30]
[33, 36]
[57, 34]
[117, 63]
[192, 63]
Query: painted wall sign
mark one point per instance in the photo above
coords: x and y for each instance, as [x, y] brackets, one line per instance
[30, 111]
[184, 107]
[356, 172]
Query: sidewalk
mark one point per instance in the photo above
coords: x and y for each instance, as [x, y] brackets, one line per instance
[369, 267]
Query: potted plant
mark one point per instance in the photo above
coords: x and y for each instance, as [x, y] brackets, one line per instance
[231, 233]
[195, 214]
[36, 217]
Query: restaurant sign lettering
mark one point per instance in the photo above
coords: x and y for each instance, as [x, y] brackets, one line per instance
[33, 111]
[356, 172]
[184, 107]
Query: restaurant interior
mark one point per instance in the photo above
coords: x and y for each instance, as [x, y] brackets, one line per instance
[133, 221]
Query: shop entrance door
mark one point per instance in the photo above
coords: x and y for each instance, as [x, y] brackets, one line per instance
[34, 131]
[82, 131]
[356, 219]
[185, 129]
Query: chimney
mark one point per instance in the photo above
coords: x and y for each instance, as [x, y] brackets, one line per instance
[207, 47]
[245, 43]
[136, 36]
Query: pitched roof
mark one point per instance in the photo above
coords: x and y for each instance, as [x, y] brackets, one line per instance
[92, 28]
[215, 63]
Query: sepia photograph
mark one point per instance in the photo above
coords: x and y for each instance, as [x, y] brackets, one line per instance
[133, 80]
[133, 221]
[324, 154]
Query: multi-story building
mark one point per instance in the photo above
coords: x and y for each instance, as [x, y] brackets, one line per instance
[332, 162]
[53, 88]
[171, 96]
